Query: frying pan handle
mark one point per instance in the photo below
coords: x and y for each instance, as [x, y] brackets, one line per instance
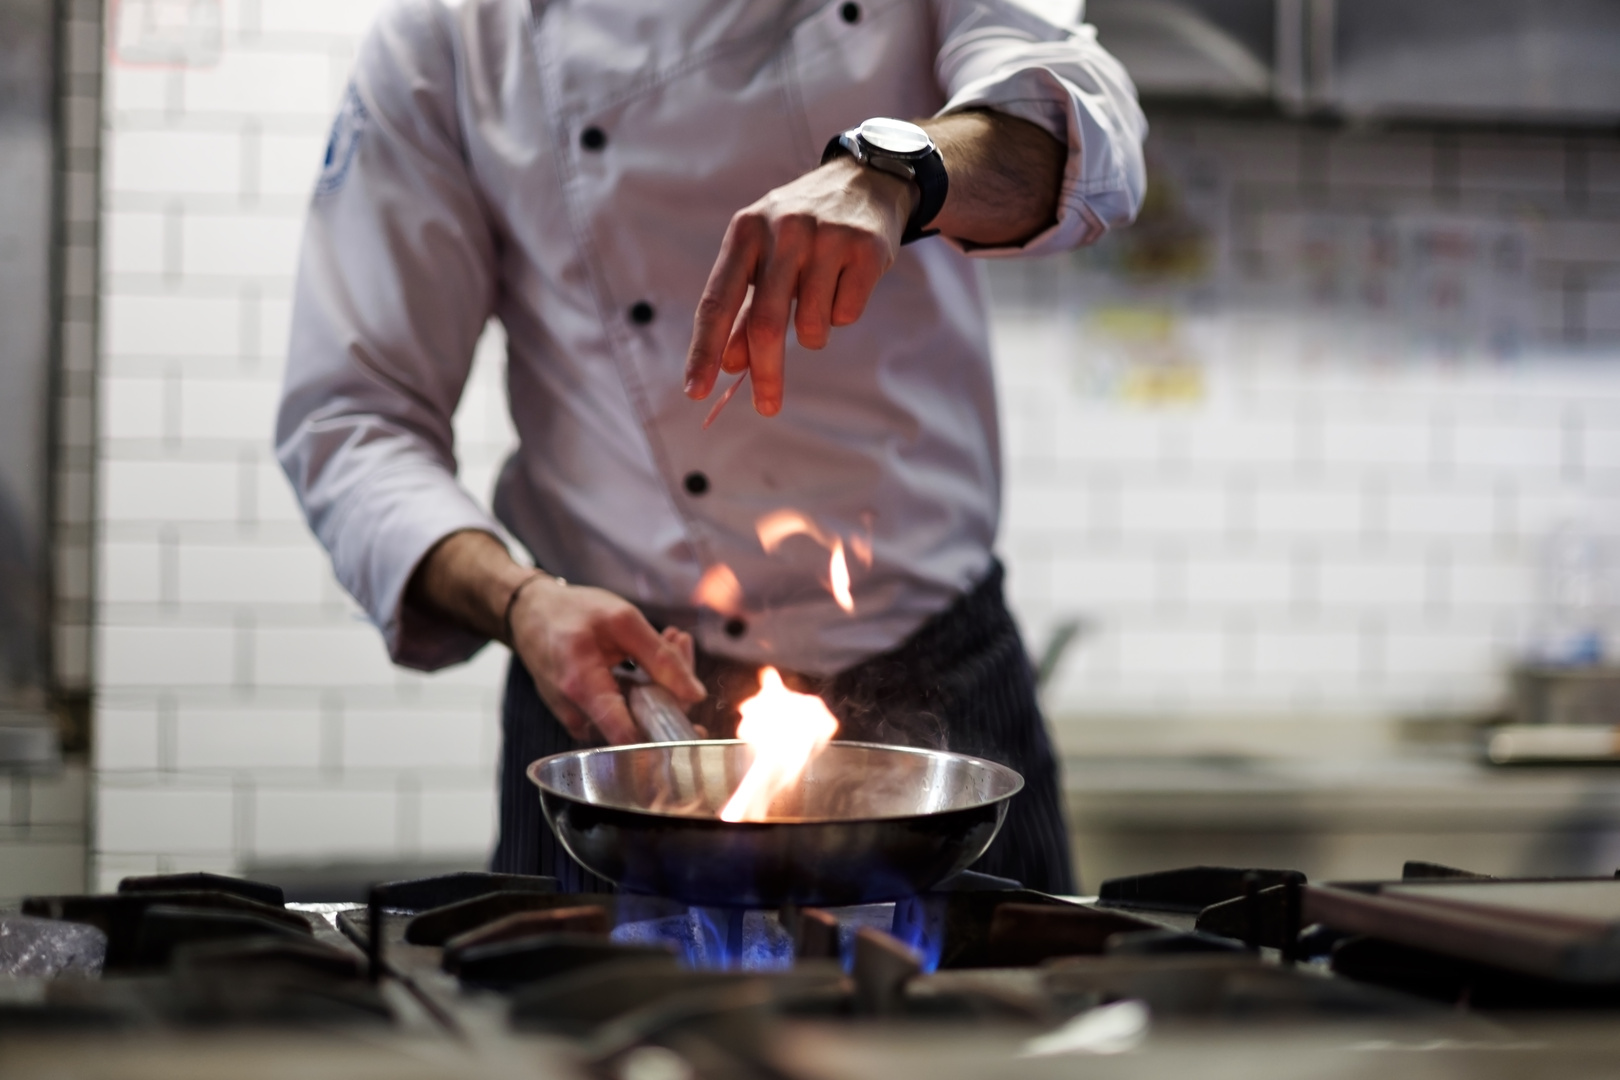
[659, 714]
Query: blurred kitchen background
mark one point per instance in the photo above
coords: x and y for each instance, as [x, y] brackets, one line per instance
[1298, 470]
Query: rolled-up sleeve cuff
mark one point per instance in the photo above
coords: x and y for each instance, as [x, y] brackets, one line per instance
[1101, 188]
[380, 542]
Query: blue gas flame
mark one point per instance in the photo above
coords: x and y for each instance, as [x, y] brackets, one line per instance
[717, 939]
[920, 923]
[725, 939]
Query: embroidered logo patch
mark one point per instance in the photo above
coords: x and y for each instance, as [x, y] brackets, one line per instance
[350, 124]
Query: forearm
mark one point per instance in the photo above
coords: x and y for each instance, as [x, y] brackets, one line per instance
[812, 250]
[1005, 177]
[569, 638]
[468, 578]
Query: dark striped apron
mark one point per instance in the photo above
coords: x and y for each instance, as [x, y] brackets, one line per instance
[962, 682]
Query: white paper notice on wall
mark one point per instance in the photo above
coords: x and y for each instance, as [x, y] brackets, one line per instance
[1133, 341]
[1141, 353]
[1222, 267]
[1399, 285]
[168, 33]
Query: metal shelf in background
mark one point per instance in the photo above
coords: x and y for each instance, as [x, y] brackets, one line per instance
[1439, 61]
[28, 308]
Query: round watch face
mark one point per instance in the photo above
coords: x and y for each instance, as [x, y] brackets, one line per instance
[895, 136]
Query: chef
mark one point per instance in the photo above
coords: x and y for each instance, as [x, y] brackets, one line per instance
[656, 200]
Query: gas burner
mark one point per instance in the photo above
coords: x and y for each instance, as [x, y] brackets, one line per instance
[635, 981]
[716, 939]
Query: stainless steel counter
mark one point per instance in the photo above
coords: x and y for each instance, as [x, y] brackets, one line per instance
[1572, 1050]
[1340, 816]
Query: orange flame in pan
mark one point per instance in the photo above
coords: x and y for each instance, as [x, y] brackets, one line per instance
[719, 590]
[785, 730]
[838, 574]
[778, 525]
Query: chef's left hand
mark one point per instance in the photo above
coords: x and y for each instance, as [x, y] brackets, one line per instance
[814, 248]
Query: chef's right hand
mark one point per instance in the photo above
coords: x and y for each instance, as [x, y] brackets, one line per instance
[809, 252]
[570, 637]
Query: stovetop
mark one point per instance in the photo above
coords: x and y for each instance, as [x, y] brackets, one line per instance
[477, 974]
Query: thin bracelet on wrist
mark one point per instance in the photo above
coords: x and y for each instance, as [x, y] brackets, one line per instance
[511, 603]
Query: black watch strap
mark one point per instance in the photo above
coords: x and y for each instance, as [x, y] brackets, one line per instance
[933, 183]
[929, 175]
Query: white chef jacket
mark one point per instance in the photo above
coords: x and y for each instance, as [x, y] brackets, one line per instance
[569, 168]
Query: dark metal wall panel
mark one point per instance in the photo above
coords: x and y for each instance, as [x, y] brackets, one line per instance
[1548, 62]
[27, 215]
[1552, 61]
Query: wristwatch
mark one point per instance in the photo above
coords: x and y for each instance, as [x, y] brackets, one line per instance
[902, 150]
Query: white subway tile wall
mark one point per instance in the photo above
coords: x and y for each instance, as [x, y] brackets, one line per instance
[246, 712]
[1291, 523]
[1341, 518]
[42, 834]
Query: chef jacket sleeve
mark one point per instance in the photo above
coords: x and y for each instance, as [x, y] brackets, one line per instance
[1036, 60]
[395, 282]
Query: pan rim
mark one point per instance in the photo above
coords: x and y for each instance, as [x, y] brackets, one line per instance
[1017, 785]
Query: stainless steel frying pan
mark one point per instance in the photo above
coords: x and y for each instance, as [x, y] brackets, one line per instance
[868, 823]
